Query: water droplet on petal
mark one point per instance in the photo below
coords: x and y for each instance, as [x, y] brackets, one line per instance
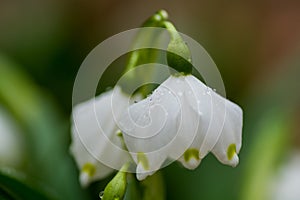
[180, 93]
[101, 194]
[214, 89]
[208, 90]
[161, 92]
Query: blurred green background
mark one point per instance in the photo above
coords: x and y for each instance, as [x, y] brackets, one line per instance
[255, 44]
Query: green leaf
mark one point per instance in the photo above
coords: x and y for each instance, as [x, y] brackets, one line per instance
[46, 132]
[268, 149]
[15, 185]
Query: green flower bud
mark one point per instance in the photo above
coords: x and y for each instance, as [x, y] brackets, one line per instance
[116, 188]
[178, 55]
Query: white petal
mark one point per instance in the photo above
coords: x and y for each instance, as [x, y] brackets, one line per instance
[94, 135]
[190, 126]
[216, 115]
[159, 126]
[149, 126]
[230, 140]
[147, 164]
[222, 124]
[208, 133]
[90, 168]
[197, 103]
[183, 119]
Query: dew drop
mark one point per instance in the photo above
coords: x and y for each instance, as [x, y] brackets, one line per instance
[162, 92]
[207, 90]
[180, 93]
[214, 89]
[101, 194]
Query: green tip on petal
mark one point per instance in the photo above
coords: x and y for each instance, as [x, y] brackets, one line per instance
[231, 151]
[191, 158]
[191, 154]
[141, 157]
[89, 169]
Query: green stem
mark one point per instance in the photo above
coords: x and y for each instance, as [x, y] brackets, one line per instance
[153, 187]
[154, 21]
[178, 54]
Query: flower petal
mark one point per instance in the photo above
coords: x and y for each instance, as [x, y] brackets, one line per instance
[222, 124]
[183, 120]
[90, 168]
[230, 140]
[160, 126]
[148, 127]
[95, 137]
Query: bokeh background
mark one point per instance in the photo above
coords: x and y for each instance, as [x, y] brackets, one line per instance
[255, 44]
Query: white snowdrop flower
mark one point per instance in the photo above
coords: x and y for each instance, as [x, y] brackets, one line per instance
[285, 185]
[183, 119]
[96, 137]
